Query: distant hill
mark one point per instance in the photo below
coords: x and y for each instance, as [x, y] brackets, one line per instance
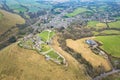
[8, 20]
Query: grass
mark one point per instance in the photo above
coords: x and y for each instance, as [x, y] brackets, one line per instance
[111, 44]
[52, 34]
[96, 24]
[32, 5]
[45, 47]
[53, 54]
[45, 35]
[21, 64]
[76, 12]
[9, 20]
[1, 15]
[114, 24]
[82, 48]
[110, 32]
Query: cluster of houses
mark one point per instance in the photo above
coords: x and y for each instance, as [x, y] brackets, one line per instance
[34, 42]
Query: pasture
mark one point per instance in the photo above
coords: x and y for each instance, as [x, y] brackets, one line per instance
[111, 44]
[76, 12]
[46, 35]
[115, 24]
[96, 24]
[26, 5]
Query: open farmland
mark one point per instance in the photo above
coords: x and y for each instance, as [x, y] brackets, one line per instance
[81, 47]
[111, 44]
[26, 5]
[114, 24]
[9, 20]
[76, 12]
[96, 24]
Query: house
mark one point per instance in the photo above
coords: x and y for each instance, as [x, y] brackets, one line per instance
[91, 43]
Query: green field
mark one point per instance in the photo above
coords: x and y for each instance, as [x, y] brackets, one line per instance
[114, 24]
[45, 47]
[111, 44]
[110, 32]
[53, 54]
[76, 12]
[23, 5]
[96, 24]
[46, 35]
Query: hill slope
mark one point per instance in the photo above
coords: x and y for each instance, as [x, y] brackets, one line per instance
[21, 64]
[9, 20]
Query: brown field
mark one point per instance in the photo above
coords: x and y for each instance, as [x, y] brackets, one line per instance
[21, 64]
[81, 47]
[9, 20]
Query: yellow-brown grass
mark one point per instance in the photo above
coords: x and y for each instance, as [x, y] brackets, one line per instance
[21, 64]
[9, 20]
[81, 47]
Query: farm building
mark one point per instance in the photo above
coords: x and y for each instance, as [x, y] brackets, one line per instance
[91, 43]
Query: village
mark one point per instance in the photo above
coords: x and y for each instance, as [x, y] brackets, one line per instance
[41, 43]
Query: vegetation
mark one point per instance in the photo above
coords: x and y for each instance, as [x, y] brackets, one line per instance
[9, 20]
[76, 12]
[82, 48]
[24, 5]
[110, 32]
[112, 77]
[53, 55]
[96, 24]
[114, 24]
[45, 47]
[21, 64]
[1, 15]
[46, 35]
[111, 44]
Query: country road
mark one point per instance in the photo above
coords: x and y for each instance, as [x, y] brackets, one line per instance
[106, 74]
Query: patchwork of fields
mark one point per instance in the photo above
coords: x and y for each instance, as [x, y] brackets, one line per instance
[26, 5]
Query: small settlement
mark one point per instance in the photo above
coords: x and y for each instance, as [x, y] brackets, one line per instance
[41, 43]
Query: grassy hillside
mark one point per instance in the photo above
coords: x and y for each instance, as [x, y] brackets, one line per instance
[111, 44]
[24, 5]
[114, 24]
[9, 20]
[81, 47]
[21, 64]
[96, 24]
[76, 12]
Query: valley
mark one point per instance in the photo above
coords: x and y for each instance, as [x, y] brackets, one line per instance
[49, 40]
